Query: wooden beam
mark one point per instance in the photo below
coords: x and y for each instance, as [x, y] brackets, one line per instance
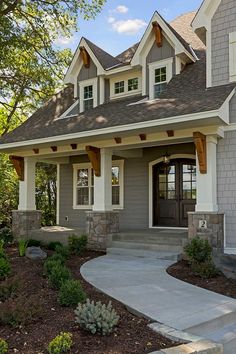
[18, 163]
[95, 159]
[36, 151]
[54, 148]
[158, 34]
[73, 146]
[118, 140]
[85, 57]
[200, 144]
[143, 137]
[170, 133]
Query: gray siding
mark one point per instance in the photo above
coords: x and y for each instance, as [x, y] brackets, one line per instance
[136, 178]
[88, 73]
[223, 23]
[157, 54]
[226, 184]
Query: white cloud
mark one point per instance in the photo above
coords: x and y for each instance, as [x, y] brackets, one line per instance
[64, 40]
[122, 9]
[111, 19]
[128, 27]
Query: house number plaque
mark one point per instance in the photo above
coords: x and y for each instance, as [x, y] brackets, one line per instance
[202, 224]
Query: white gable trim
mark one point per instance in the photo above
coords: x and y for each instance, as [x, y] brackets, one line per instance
[205, 14]
[179, 48]
[70, 74]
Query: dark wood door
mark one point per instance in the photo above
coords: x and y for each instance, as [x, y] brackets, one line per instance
[174, 187]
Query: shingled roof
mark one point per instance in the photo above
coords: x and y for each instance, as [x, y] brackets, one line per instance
[186, 94]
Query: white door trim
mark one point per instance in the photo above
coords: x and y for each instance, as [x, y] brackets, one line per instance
[150, 187]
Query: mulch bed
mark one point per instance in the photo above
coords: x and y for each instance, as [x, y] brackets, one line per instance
[220, 284]
[132, 336]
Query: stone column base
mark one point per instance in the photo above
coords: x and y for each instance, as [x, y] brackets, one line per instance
[24, 221]
[101, 226]
[213, 230]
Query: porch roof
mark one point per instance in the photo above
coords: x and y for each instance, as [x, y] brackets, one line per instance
[186, 94]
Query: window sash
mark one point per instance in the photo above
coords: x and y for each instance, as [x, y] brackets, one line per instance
[133, 84]
[119, 87]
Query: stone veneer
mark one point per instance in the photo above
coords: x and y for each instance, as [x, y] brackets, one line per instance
[101, 226]
[214, 232]
[25, 221]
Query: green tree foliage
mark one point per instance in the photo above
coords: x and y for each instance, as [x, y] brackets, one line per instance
[31, 70]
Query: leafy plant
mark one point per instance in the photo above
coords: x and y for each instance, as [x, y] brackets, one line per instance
[8, 289]
[63, 251]
[205, 270]
[71, 293]
[96, 317]
[60, 344]
[198, 250]
[51, 262]
[77, 245]
[3, 346]
[5, 267]
[58, 275]
[34, 243]
[22, 245]
[2, 251]
[6, 235]
[20, 311]
[52, 245]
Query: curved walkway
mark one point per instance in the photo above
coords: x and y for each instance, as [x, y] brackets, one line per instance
[144, 286]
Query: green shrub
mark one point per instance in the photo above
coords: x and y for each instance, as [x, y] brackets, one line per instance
[20, 311]
[71, 293]
[96, 317]
[52, 245]
[77, 245]
[34, 243]
[22, 245]
[63, 251]
[198, 250]
[6, 235]
[8, 289]
[5, 267]
[58, 275]
[2, 251]
[3, 346]
[205, 269]
[60, 344]
[52, 262]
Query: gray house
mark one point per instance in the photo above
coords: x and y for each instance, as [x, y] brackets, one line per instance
[145, 141]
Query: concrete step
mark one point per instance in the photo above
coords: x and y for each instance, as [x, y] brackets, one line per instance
[141, 253]
[155, 239]
[226, 336]
[147, 246]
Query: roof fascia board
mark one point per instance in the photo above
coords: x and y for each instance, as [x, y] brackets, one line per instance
[205, 14]
[69, 78]
[179, 48]
[115, 129]
[118, 70]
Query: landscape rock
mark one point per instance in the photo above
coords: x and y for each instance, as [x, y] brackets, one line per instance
[35, 253]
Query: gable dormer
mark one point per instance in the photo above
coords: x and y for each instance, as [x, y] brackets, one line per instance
[161, 53]
[215, 24]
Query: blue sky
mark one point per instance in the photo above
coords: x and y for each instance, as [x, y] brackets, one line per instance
[122, 23]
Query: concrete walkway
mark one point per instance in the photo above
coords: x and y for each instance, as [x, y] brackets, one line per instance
[144, 286]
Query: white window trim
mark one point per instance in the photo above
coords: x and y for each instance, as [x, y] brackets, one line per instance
[168, 63]
[64, 115]
[119, 163]
[232, 56]
[82, 85]
[126, 93]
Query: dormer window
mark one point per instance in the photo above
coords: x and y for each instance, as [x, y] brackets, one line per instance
[160, 73]
[119, 87]
[88, 97]
[133, 84]
[88, 94]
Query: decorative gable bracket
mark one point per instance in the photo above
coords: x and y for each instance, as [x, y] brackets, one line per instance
[85, 57]
[200, 144]
[158, 33]
[95, 159]
[18, 163]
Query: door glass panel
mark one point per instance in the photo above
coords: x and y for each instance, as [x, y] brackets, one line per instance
[167, 184]
[188, 182]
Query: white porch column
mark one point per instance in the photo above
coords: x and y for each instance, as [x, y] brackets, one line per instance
[207, 183]
[103, 184]
[27, 187]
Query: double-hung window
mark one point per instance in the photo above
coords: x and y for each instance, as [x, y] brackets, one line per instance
[160, 73]
[84, 185]
[160, 81]
[119, 87]
[88, 97]
[133, 84]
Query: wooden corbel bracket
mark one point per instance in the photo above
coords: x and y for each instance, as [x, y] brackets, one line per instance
[85, 57]
[95, 159]
[158, 34]
[18, 163]
[200, 144]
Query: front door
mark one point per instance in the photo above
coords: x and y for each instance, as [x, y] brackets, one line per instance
[174, 187]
